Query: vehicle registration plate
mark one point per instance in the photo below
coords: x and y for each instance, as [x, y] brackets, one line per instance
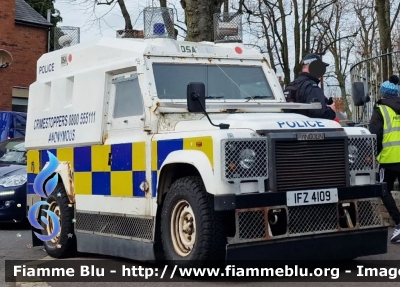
[309, 197]
[310, 136]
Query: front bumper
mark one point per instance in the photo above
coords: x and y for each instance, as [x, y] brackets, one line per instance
[232, 201]
[338, 246]
[266, 228]
[16, 210]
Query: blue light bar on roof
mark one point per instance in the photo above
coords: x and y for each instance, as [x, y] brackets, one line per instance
[159, 29]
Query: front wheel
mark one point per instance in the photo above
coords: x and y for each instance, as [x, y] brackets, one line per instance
[64, 244]
[191, 231]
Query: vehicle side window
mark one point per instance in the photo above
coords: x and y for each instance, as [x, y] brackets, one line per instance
[128, 99]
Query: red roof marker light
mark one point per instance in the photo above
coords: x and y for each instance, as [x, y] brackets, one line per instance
[238, 50]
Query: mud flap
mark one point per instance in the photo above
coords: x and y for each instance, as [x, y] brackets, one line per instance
[36, 241]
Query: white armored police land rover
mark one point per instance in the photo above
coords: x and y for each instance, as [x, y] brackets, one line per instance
[183, 149]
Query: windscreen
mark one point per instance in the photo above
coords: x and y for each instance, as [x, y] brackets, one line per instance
[221, 81]
[15, 153]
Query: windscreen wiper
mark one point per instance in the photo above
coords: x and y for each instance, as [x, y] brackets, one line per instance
[214, 97]
[257, 97]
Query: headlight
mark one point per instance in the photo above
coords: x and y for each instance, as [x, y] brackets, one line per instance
[13, 180]
[247, 158]
[353, 154]
[4, 193]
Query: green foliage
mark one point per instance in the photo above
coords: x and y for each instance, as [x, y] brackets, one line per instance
[41, 6]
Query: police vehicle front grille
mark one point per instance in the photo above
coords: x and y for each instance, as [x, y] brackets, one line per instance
[370, 212]
[253, 223]
[310, 164]
[313, 218]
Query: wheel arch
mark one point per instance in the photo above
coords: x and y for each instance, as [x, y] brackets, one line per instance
[180, 164]
[207, 223]
[64, 172]
[184, 163]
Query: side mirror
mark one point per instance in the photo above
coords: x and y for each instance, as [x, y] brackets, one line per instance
[359, 96]
[5, 59]
[196, 101]
[196, 97]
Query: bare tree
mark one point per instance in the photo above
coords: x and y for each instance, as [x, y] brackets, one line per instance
[199, 18]
[386, 24]
[172, 32]
[367, 21]
[270, 21]
[366, 46]
[267, 24]
[276, 14]
[338, 37]
[259, 28]
[89, 7]
[396, 46]
[178, 23]
[124, 11]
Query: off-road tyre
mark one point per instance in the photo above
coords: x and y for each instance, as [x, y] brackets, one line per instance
[210, 240]
[66, 245]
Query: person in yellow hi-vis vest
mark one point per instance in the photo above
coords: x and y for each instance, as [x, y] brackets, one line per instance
[385, 123]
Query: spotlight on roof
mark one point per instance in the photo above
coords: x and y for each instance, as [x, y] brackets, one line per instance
[65, 41]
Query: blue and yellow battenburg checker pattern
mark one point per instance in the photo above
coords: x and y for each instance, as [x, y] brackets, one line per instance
[93, 175]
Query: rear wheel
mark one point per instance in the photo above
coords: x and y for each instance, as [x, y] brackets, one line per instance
[64, 244]
[191, 231]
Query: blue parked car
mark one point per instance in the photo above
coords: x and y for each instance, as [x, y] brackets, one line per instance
[12, 125]
[13, 181]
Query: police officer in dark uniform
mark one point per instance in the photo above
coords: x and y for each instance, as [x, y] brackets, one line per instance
[305, 89]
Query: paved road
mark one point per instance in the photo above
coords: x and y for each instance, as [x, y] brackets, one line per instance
[15, 245]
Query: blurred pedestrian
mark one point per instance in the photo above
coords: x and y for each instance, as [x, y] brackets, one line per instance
[385, 123]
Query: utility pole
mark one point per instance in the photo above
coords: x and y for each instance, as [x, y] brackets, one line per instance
[49, 32]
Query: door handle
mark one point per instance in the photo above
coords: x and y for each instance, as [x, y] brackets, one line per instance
[109, 158]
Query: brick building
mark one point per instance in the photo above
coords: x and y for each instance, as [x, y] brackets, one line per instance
[24, 34]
